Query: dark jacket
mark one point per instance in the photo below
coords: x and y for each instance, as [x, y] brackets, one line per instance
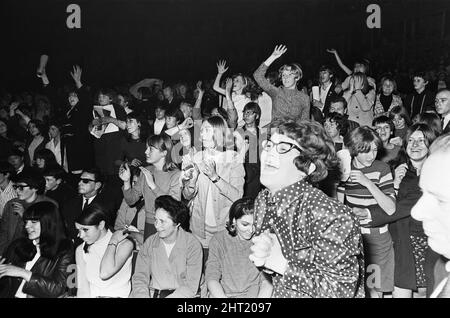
[419, 103]
[62, 194]
[49, 275]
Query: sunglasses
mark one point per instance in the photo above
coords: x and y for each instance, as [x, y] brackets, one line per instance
[84, 180]
[20, 187]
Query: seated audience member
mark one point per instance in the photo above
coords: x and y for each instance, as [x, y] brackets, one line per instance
[37, 266]
[56, 187]
[229, 271]
[7, 191]
[133, 145]
[442, 105]
[385, 129]
[401, 121]
[387, 97]
[29, 188]
[432, 208]
[422, 99]
[104, 258]
[169, 263]
[16, 159]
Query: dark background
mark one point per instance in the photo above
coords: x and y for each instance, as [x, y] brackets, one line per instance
[125, 40]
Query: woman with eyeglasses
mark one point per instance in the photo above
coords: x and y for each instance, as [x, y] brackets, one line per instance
[213, 181]
[410, 241]
[161, 176]
[37, 265]
[104, 259]
[229, 271]
[310, 240]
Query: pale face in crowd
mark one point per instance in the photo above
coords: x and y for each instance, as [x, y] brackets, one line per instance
[185, 138]
[288, 78]
[442, 103]
[399, 121]
[160, 113]
[419, 83]
[186, 110]
[433, 208]
[24, 191]
[278, 170]
[53, 132]
[238, 84]
[366, 159]
[164, 225]
[90, 233]
[51, 183]
[154, 155]
[104, 100]
[250, 117]
[73, 99]
[331, 129]
[337, 108]
[132, 125]
[416, 148]
[33, 229]
[15, 161]
[207, 135]
[324, 76]
[384, 130]
[168, 93]
[387, 87]
[34, 131]
[171, 122]
[244, 227]
[87, 185]
[40, 163]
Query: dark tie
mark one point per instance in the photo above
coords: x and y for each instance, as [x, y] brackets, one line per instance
[86, 203]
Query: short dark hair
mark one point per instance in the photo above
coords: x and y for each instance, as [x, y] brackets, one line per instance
[402, 112]
[177, 113]
[339, 99]
[359, 140]
[340, 120]
[327, 68]
[423, 75]
[98, 177]
[255, 108]
[55, 171]
[383, 120]
[6, 168]
[239, 208]
[176, 210]
[33, 179]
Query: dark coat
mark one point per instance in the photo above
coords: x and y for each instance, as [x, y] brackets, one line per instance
[49, 275]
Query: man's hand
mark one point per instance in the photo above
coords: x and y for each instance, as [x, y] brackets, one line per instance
[76, 75]
[125, 173]
[18, 208]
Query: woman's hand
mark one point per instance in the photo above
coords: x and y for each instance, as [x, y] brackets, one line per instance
[148, 177]
[117, 237]
[399, 173]
[332, 51]
[136, 163]
[124, 172]
[13, 271]
[221, 66]
[278, 51]
[358, 83]
[209, 169]
[76, 75]
[266, 251]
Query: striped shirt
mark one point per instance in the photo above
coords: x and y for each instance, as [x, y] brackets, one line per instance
[6, 195]
[356, 195]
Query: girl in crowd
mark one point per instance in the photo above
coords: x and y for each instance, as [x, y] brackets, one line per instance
[160, 177]
[170, 261]
[385, 129]
[433, 121]
[410, 241]
[387, 97]
[360, 97]
[133, 146]
[229, 271]
[44, 158]
[56, 144]
[371, 185]
[38, 264]
[104, 259]
[214, 181]
[401, 121]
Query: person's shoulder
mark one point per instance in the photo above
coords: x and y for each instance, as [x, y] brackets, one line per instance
[190, 239]
[380, 166]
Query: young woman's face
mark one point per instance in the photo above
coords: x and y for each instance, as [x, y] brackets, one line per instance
[288, 78]
[366, 159]
[399, 122]
[73, 99]
[238, 83]
[104, 100]
[33, 130]
[185, 138]
[206, 135]
[53, 132]
[388, 87]
[250, 117]
[331, 128]
[121, 101]
[164, 225]
[419, 83]
[171, 122]
[416, 148]
[153, 154]
[132, 125]
[33, 229]
[89, 233]
[244, 227]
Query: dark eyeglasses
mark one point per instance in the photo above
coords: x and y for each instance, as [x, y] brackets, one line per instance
[248, 113]
[281, 147]
[85, 180]
[20, 187]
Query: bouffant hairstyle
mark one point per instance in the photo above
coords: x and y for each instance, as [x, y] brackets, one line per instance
[176, 210]
[360, 140]
[241, 207]
[316, 146]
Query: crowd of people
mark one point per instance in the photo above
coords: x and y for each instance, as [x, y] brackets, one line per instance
[240, 187]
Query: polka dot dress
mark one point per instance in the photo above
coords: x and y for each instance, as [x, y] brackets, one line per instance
[319, 237]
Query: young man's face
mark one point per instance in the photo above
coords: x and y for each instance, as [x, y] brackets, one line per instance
[384, 130]
[442, 103]
[366, 159]
[337, 108]
[15, 161]
[160, 113]
[419, 83]
[388, 87]
[433, 207]
[51, 183]
[324, 76]
[73, 99]
[288, 78]
[104, 100]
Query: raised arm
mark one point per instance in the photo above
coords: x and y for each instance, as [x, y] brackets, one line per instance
[339, 61]
[231, 110]
[260, 72]
[197, 111]
[221, 68]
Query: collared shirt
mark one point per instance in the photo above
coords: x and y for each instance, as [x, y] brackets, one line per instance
[158, 126]
[319, 237]
[6, 195]
[446, 120]
[89, 201]
[324, 94]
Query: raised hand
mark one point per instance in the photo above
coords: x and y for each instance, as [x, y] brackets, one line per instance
[358, 83]
[76, 75]
[221, 66]
[136, 162]
[279, 50]
[332, 51]
[124, 172]
[187, 123]
[148, 177]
